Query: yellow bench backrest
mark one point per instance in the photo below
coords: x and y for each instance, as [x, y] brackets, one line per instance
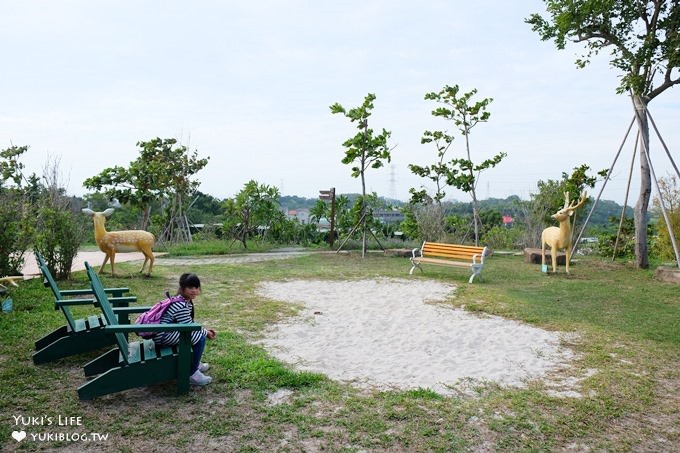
[451, 250]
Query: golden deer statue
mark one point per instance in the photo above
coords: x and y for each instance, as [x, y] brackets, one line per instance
[560, 237]
[111, 242]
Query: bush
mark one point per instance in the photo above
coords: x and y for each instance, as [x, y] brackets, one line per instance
[498, 238]
[58, 235]
[625, 248]
[15, 236]
[670, 196]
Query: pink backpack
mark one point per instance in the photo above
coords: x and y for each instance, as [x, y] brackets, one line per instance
[155, 313]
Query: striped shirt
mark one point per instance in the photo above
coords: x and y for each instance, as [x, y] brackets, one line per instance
[180, 312]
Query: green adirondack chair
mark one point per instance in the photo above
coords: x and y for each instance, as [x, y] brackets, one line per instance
[138, 363]
[78, 335]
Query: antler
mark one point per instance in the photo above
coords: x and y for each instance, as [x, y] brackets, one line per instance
[566, 200]
[581, 200]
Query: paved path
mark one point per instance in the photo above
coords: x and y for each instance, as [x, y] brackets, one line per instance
[229, 259]
[30, 268]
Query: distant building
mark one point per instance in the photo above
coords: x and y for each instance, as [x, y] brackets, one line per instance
[301, 215]
[507, 221]
[388, 216]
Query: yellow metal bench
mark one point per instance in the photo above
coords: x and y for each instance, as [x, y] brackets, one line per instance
[456, 255]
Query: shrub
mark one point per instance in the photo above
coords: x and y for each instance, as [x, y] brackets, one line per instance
[499, 237]
[670, 195]
[57, 238]
[15, 236]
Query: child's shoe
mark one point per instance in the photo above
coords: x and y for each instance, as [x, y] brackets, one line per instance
[199, 378]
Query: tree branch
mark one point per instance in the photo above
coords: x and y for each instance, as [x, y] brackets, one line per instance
[667, 83]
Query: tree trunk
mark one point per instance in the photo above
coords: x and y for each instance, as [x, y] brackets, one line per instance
[245, 226]
[146, 214]
[473, 191]
[640, 212]
[475, 216]
[363, 211]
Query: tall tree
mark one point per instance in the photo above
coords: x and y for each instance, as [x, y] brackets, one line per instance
[643, 37]
[162, 170]
[365, 150]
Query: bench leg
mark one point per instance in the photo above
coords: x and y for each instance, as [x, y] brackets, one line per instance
[50, 338]
[73, 344]
[127, 377]
[476, 270]
[104, 362]
[413, 267]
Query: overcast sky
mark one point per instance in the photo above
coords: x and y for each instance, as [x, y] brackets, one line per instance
[249, 84]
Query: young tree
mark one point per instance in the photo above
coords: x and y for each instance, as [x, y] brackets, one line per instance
[36, 213]
[255, 205]
[319, 211]
[536, 213]
[343, 216]
[365, 150]
[162, 170]
[643, 37]
[16, 220]
[59, 226]
[670, 198]
[438, 172]
[461, 173]
[428, 209]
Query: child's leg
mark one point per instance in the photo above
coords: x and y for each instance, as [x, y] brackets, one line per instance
[198, 348]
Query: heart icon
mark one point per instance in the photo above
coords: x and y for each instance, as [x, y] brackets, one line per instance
[19, 435]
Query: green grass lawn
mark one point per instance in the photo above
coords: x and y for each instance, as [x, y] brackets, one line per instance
[625, 325]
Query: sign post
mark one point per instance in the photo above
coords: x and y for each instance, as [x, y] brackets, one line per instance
[330, 195]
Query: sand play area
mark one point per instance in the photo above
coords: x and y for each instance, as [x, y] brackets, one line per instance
[393, 334]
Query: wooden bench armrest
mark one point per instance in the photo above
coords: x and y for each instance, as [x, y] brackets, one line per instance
[132, 328]
[70, 302]
[118, 301]
[86, 291]
[130, 310]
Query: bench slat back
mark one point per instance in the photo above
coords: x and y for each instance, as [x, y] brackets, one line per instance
[451, 250]
[107, 310]
[48, 281]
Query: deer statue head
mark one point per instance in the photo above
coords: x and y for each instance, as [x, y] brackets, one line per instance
[569, 208]
[558, 238]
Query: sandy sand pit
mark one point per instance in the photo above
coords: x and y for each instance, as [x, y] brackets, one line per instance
[391, 334]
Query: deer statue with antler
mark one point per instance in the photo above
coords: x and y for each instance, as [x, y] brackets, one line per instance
[560, 237]
[111, 242]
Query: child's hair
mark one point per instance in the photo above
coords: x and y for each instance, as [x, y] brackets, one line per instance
[189, 280]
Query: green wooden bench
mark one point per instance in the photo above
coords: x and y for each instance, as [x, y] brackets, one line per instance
[138, 363]
[77, 335]
[441, 254]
